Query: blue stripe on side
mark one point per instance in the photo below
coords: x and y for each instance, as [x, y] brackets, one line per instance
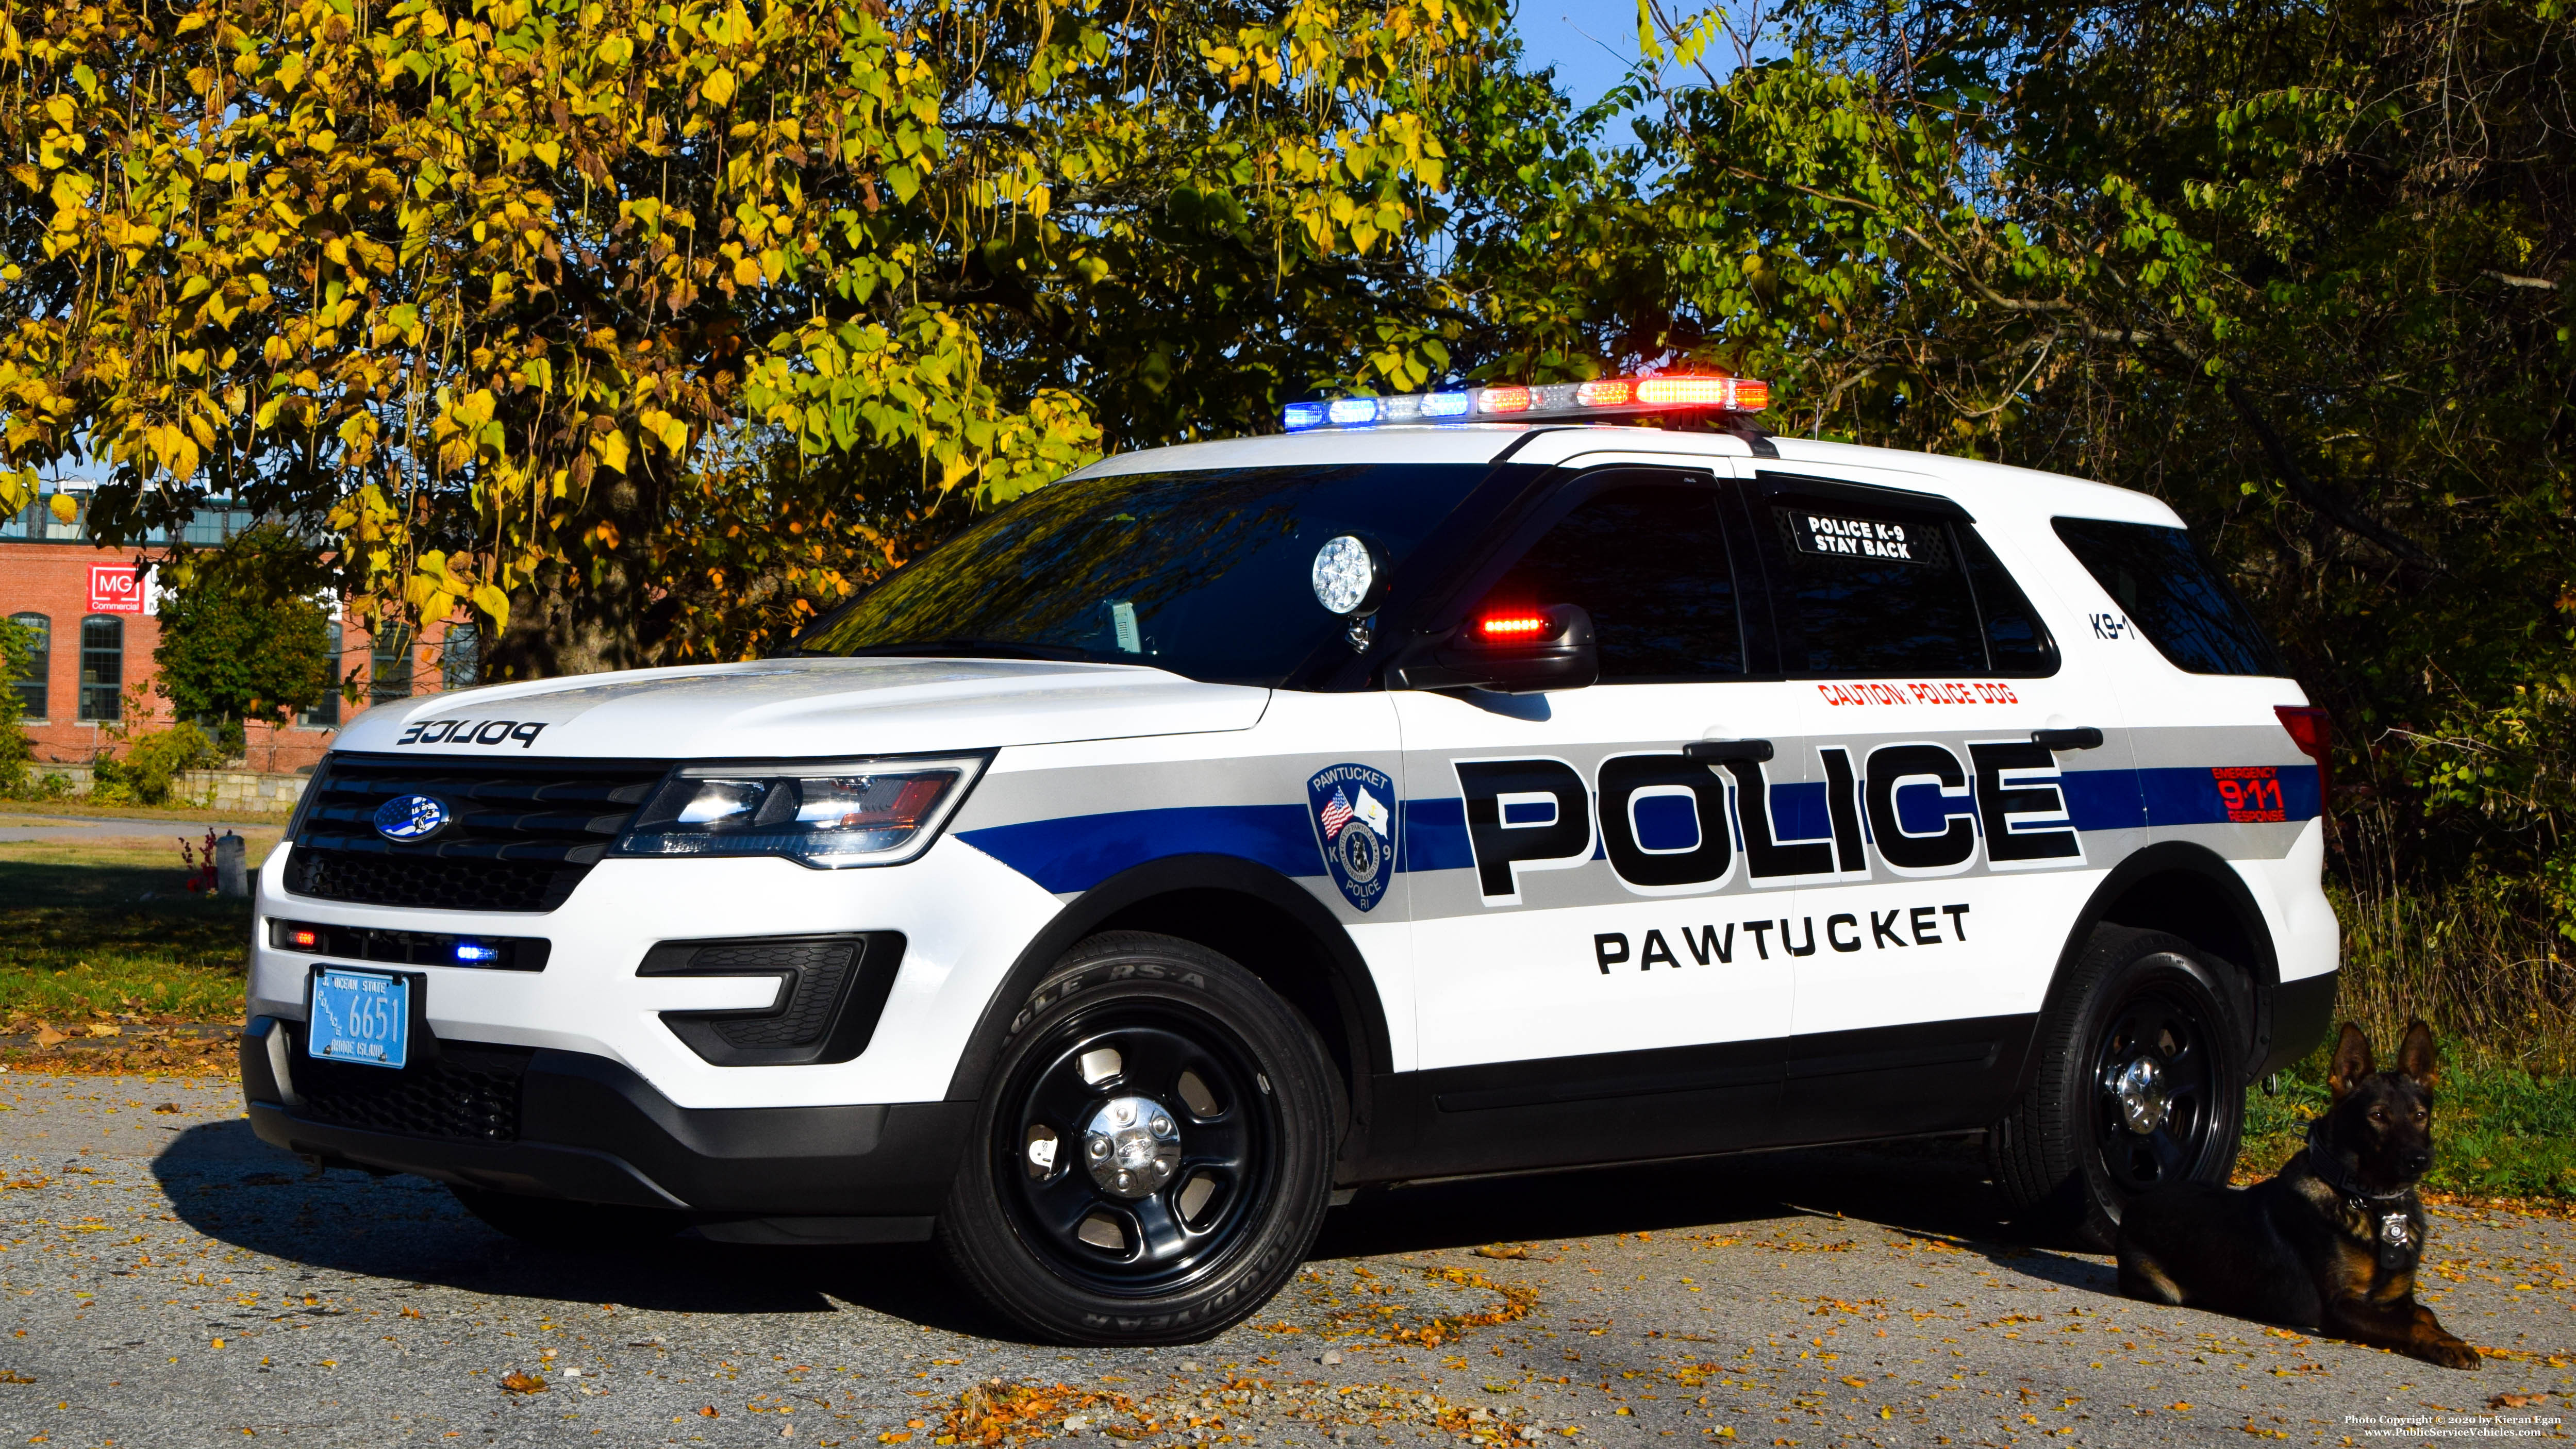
[1798, 812]
[2103, 799]
[1435, 836]
[2194, 796]
[1078, 852]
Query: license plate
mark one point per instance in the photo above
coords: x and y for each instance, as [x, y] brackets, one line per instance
[359, 1016]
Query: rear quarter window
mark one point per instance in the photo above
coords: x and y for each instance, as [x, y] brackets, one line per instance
[2173, 596]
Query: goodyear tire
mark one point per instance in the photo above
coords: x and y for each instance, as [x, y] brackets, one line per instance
[1153, 1153]
[567, 1226]
[2140, 1084]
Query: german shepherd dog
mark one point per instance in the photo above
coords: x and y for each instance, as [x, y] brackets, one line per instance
[2330, 1244]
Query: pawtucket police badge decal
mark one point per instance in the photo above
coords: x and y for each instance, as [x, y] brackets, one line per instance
[1354, 809]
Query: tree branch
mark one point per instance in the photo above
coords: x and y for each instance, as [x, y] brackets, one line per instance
[2323, 500]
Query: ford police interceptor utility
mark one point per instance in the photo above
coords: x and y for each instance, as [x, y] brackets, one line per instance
[1452, 785]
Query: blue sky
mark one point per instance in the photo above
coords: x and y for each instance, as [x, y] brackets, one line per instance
[1590, 42]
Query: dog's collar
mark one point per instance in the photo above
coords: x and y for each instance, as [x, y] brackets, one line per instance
[2330, 1169]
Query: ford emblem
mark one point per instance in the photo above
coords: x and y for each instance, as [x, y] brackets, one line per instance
[408, 818]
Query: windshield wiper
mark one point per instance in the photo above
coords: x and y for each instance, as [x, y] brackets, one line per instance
[962, 649]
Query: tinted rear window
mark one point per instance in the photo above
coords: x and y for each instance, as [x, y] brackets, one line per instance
[2172, 595]
[1872, 591]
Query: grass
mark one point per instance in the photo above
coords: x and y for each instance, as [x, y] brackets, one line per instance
[2498, 1130]
[29, 807]
[90, 930]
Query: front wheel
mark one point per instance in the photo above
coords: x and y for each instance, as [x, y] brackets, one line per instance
[1153, 1152]
[2140, 1085]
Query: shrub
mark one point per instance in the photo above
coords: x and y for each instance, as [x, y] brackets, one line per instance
[152, 765]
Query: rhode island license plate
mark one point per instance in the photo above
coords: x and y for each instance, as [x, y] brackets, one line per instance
[360, 1016]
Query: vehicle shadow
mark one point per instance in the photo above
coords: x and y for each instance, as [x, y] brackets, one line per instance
[1935, 1187]
[227, 1184]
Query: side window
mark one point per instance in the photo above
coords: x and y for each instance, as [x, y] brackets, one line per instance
[460, 657]
[33, 696]
[389, 665]
[102, 668]
[2172, 594]
[2017, 642]
[1648, 562]
[1867, 589]
[325, 714]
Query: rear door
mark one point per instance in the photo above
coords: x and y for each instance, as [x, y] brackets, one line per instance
[1586, 985]
[1928, 690]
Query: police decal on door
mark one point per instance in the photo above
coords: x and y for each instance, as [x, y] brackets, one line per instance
[1354, 813]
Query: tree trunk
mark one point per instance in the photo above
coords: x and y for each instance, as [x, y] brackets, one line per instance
[592, 613]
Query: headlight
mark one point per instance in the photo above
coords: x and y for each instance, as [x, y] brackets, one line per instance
[822, 813]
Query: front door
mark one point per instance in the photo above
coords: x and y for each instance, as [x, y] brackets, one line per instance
[1598, 971]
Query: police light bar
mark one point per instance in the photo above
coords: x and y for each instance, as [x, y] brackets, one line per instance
[1604, 398]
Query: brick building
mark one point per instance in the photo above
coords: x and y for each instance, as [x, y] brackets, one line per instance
[98, 624]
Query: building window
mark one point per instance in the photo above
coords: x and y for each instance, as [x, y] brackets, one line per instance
[32, 695]
[460, 657]
[389, 665]
[102, 674]
[325, 714]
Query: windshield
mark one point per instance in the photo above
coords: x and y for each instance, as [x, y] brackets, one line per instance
[1208, 574]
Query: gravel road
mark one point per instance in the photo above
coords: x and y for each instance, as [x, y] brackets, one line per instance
[170, 1281]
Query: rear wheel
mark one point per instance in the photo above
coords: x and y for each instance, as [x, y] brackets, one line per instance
[2140, 1085]
[1154, 1150]
[548, 1222]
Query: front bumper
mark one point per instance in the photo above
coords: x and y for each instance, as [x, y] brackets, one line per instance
[588, 1129]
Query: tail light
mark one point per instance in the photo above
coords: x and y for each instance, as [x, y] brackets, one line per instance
[2312, 730]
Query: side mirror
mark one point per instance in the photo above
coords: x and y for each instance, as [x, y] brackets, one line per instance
[1518, 651]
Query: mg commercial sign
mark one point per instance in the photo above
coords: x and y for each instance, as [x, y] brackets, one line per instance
[113, 589]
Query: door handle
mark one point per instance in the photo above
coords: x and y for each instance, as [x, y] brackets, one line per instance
[2085, 737]
[1718, 752]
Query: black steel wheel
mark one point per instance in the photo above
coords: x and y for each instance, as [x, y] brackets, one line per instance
[1154, 1154]
[2140, 1085]
[2155, 1063]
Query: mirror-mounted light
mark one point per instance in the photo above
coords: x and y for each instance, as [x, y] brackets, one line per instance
[1350, 575]
[1513, 651]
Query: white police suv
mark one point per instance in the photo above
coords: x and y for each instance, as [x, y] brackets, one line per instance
[1454, 785]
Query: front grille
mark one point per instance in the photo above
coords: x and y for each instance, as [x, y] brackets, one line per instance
[470, 1094]
[522, 834]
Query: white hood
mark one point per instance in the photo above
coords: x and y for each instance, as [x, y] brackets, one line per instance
[806, 708]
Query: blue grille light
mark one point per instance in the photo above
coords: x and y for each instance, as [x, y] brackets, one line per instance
[1445, 404]
[1301, 416]
[1348, 411]
[467, 951]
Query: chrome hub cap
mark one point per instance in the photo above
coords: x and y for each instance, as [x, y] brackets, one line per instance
[1132, 1147]
[2143, 1094]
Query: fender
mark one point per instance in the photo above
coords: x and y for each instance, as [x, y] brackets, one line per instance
[1354, 990]
[2262, 967]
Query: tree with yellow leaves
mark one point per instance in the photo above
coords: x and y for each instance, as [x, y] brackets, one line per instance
[642, 327]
